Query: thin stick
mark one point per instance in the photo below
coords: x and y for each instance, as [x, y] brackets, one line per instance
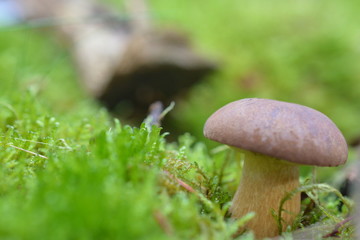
[155, 111]
[337, 227]
[33, 153]
[181, 182]
[163, 222]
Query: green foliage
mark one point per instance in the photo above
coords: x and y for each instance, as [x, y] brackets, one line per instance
[77, 175]
[299, 51]
[112, 187]
[68, 171]
[323, 203]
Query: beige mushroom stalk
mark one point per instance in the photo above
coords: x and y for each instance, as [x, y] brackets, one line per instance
[276, 137]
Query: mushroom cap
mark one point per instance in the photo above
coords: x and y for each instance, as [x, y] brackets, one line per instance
[278, 129]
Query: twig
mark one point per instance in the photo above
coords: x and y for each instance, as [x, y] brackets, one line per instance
[155, 110]
[202, 198]
[337, 227]
[65, 144]
[167, 110]
[180, 182]
[163, 222]
[33, 153]
[157, 113]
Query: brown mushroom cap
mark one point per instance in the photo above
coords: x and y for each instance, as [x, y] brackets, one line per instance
[278, 129]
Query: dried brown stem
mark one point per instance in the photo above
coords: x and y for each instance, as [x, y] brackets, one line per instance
[336, 231]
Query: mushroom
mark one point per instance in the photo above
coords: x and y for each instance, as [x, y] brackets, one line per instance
[275, 138]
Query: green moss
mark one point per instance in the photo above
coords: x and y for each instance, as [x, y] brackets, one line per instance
[69, 171]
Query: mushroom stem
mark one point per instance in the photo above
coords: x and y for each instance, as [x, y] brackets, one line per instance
[264, 183]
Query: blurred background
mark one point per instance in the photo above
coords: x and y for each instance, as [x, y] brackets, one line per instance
[301, 51]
